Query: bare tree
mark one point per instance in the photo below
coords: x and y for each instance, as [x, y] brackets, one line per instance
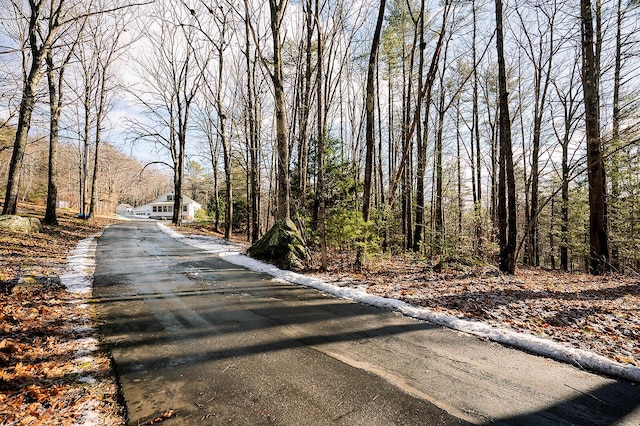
[569, 100]
[172, 78]
[108, 41]
[55, 79]
[44, 26]
[220, 46]
[540, 49]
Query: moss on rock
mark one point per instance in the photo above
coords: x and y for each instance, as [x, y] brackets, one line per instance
[282, 245]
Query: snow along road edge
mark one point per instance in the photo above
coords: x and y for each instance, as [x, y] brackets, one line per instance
[78, 279]
[579, 357]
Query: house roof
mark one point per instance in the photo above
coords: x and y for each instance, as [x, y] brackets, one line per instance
[185, 200]
[163, 199]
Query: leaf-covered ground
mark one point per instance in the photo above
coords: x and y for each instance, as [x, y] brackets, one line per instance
[599, 314]
[52, 368]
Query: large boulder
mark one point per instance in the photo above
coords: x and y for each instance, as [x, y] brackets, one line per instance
[26, 225]
[282, 245]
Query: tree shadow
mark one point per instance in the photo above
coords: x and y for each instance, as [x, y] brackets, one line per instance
[606, 405]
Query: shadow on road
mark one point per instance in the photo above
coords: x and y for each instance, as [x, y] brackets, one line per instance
[176, 317]
[574, 408]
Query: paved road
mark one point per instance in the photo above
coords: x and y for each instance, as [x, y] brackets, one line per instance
[223, 345]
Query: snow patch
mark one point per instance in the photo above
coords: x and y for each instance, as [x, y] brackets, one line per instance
[89, 414]
[78, 279]
[80, 266]
[578, 357]
[83, 329]
[88, 343]
[87, 380]
[83, 358]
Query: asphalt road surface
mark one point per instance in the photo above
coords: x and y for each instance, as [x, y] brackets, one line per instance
[216, 344]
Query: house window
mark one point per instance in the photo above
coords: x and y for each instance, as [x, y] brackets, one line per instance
[155, 209]
[170, 197]
[184, 209]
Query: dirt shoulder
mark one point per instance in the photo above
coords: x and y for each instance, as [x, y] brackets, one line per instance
[53, 370]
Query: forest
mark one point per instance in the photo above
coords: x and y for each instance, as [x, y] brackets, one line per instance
[477, 131]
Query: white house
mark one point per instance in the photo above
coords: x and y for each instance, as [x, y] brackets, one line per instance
[162, 208]
[124, 210]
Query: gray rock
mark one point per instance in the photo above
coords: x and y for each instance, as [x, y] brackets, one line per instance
[26, 225]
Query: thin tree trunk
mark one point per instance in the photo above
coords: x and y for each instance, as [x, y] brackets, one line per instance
[96, 156]
[321, 135]
[615, 141]
[438, 215]
[476, 134]
[370, 114]
[85, 156]
[459, 167]
[213, 150]
[303, 148]
[564, 210]
[222, 129]
[253, 139]
[370, 127]
[421, 142]
[55, 100]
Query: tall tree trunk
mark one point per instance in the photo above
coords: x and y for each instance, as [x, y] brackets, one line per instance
[459, 168]
[370, 127]
[321, 136]
[421, 143]
[253, 138]
[222, 129]
[24, 123]
[598, 234]
[98, 138]
[277, 9]
[55, 100]
[506, 185]
[370, 114]
[303, 148]
[27, 104]
[615, 142]
[476, 135]
[214, 152]
[438, 215]
[564, 210]
[86, 104]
